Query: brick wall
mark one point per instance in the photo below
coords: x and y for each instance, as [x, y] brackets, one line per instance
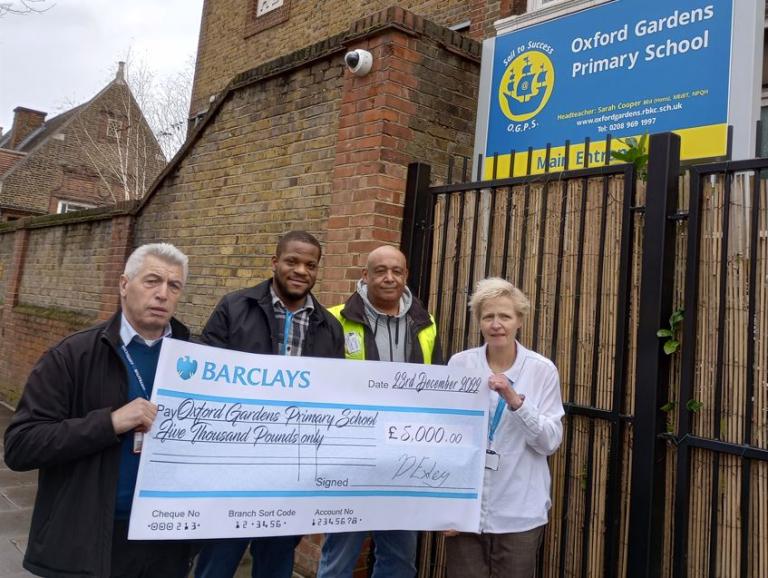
[299, 142]
[417, 103]
[262, 167]
[224, 51]
[6, 254]
[8, 158]
[64, 267]
[31, 330]
[58, 274]
[28, 185]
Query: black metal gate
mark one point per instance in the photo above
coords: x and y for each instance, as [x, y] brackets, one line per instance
[720, 437]
[602, 262]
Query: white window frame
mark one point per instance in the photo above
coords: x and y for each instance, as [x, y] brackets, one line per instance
[541, 11]
[65, 207]
[261, 10]
[461, 26]
[534, 5]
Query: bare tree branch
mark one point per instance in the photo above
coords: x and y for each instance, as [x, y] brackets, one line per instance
[22, 7]
[121, 150]
[164, 101]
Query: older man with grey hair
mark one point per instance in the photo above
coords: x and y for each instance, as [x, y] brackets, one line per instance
[80, 422]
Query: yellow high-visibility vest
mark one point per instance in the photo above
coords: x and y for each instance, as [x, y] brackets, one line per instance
[426, 336]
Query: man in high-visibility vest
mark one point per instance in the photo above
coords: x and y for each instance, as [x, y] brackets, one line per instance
[382, 321]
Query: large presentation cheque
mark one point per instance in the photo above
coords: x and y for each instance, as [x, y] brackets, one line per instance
[261, 445]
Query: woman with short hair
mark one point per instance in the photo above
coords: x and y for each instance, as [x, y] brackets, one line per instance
[524, 428]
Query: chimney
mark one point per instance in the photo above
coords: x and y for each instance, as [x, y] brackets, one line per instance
[120, 76]
[25, 120]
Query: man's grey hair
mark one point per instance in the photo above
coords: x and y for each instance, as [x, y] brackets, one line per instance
[163, 251]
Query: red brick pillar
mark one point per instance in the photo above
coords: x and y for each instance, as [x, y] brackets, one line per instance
[483, 16]
[120, 247]
[371, 164]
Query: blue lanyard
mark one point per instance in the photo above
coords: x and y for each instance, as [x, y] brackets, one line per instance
[287, 328]
[496, 418]
[135, 370]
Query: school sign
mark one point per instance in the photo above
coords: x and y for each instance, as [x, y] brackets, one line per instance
[622, 68]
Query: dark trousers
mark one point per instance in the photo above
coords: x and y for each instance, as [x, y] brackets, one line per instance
[148, 558]
[272, 557]
[510, 555]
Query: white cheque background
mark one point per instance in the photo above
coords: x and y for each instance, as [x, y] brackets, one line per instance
[258, 445]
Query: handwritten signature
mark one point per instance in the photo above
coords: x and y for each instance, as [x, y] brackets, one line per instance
[423, 469]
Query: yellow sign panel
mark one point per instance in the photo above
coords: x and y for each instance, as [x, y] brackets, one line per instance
[695, 143]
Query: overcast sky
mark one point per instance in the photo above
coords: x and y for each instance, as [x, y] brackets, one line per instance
[65, 55]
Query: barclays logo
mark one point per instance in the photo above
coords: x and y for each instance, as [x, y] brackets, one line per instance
[267, 377]
[186, 367]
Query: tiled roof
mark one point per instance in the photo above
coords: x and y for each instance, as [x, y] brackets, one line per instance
[43, 132]
[9, 158]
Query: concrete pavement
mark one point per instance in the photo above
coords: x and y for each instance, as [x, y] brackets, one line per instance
[17, 495]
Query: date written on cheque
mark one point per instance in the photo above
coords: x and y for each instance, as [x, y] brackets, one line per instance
[426, 434]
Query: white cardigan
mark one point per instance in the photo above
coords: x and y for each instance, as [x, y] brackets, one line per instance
[516, 497]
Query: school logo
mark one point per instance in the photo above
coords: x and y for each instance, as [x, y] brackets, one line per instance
[186, 367]
[526, 85]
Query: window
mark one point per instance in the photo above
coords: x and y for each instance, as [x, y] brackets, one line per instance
[539, 4]
[263, 14]
[461, 26]
[543, 11]
[113, 127]
[265, 6]
[70, 207]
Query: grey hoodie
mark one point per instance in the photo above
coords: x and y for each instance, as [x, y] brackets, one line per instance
[389, 331]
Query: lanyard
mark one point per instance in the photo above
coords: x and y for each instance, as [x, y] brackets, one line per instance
[496, 418]
[287, 330]
[498, 413]
[135, 370]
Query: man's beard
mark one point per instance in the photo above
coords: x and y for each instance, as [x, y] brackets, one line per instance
[283, 291]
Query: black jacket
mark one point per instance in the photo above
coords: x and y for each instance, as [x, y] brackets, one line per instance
[63, 427]
[417, 318]
[245, 321]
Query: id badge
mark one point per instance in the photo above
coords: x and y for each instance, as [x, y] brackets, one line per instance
[352, 342]
[492, 460]
[138, 442]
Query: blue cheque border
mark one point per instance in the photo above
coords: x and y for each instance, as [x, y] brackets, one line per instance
[306, 494]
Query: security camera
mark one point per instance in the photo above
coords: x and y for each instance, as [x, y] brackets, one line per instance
[359, 62]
